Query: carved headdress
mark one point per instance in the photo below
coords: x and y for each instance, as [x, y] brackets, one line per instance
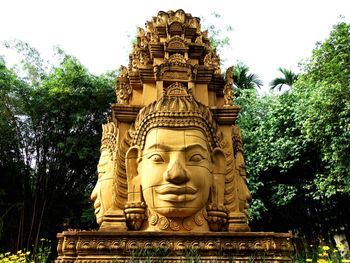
[109, 138]
[177, 108]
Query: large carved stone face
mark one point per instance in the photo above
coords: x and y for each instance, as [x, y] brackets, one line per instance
[176, 171]
[102, 193]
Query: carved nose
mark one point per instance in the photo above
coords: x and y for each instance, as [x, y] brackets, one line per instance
[93, 195]
[177, 174]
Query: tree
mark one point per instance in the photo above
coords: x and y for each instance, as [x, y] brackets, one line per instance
[297, 146]
[243, 79]
[289, 78]
[55, 134]
[12, 165]
[325, 90]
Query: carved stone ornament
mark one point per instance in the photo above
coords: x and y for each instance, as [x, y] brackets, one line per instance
[99, 247]
[228, 89]
[176, 43]
[176, 67]
[123, 72]
[123, 91]
[212, 60]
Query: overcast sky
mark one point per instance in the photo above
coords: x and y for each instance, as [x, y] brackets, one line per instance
[266, 34]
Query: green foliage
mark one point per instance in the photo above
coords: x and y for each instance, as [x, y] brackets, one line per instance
[297, 145]
[243, 79]
[50, 125]
[43, 251]
[289, 77]
[218, 37]
[325, 89]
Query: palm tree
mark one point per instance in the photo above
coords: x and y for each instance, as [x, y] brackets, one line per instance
[245, 80]
[289, 77]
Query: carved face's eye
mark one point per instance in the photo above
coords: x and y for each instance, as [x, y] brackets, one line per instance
[156, 158]
[196, 158]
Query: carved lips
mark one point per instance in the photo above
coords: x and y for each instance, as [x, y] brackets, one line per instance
[97, 206]
[176, 193]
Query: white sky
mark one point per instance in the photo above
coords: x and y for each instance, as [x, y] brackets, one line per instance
[266, 34]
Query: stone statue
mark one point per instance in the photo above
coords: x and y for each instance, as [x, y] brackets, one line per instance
[171, 172]
[103, 191]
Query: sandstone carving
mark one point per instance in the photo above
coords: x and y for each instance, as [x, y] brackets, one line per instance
[102, 193]
[228, 89]
[171, 172]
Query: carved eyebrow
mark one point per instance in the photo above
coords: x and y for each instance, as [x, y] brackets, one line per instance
[167, 148]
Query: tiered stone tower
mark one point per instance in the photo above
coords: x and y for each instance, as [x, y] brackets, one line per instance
[171, 172]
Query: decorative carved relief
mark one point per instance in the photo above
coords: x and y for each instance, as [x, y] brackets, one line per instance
[141, 35]
[123, 72]
[194, 22]
[175, 28]
[212, 60]
[176, 67]
[92, 247]
[177, 16]
[176, 43]
[228, 89]
[162, 19]
[178, 60]
[123, 90]
[140, 56]
[176, 89]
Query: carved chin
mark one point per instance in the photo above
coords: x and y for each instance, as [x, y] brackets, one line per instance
[99, 219]
[177, 211]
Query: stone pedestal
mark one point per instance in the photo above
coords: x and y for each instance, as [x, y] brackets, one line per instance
[141, 246]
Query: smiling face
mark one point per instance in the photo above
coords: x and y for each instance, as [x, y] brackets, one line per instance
[176, 171]
[102, 193]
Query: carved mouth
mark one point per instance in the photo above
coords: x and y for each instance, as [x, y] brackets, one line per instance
[97, 206]
[176, 194]
[175, 190]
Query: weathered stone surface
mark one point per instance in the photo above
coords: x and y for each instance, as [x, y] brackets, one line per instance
[108, 247]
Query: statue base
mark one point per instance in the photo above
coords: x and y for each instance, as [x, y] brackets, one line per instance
[143, 246]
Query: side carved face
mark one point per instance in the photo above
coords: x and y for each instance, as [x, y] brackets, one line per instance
[176, 171]
[102, 193]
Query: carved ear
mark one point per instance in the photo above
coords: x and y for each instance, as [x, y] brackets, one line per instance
[219, 172]
[219, 161]
[133, 157]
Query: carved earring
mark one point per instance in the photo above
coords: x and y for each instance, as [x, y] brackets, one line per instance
[135, 208]
[217, 212]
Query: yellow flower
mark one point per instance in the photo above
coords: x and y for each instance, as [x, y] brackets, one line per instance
[325, 248]
[19, 251]
[340, 246]
[308, 260]
[321, 260]
[28, 253]
[345, 260]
